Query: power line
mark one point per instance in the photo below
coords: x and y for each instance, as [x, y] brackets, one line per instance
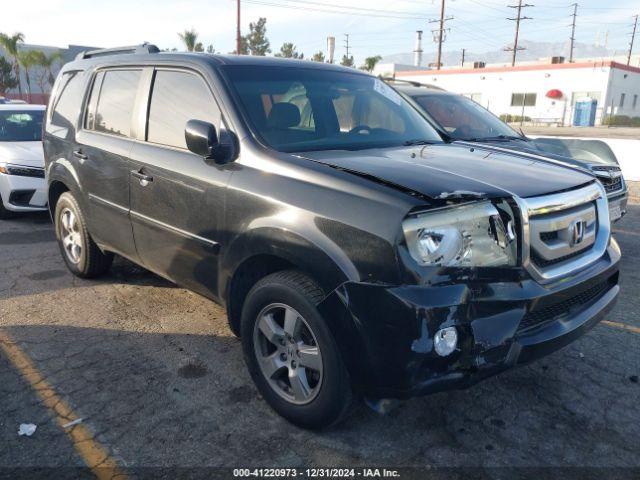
[338, 12]
[633, 37]
[518, 19]
[573, 31]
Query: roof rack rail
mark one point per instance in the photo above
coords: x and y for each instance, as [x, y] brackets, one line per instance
[411, 82]
[400, 80]
[136, 49]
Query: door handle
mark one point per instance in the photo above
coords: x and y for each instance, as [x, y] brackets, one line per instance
[143, 177]
[79, 154]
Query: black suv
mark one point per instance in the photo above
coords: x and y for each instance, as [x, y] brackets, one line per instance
[355, 252]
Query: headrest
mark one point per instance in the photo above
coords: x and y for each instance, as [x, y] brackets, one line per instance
[283, 115]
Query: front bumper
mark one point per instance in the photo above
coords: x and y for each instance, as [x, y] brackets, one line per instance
[386, 333]
[23, 194]
[618, 204]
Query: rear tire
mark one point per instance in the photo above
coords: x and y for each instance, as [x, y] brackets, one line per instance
[291, 353]
[82, 256]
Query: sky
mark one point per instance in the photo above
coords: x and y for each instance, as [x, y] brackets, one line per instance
[374, 27]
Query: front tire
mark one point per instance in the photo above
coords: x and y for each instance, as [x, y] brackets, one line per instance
[4, 213]
[291, 353]
[81, 254]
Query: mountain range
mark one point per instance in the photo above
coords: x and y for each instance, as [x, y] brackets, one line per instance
[533, 51]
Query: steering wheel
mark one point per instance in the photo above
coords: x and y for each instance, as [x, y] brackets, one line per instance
[360, 128]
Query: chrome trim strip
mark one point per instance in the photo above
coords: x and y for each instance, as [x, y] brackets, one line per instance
[178, 231]
[535, 206]
[564, 200]
[107, 203]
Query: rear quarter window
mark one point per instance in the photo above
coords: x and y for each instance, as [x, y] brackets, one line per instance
[66, 105]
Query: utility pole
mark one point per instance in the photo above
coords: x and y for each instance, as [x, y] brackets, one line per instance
[463, 52]
[439, 34]
[238, 37]
[346, 43]
[633, 37]
[573, 31]
[518, 19]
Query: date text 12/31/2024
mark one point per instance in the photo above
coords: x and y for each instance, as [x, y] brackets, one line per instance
[315, 473]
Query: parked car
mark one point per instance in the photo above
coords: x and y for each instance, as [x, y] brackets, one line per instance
[355, 251]
[461, 120]
[22, 184]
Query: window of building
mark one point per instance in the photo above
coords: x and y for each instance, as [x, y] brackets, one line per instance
[177, 98]
[635, 101]
[115, 102]
[523, 99]
[622, 97]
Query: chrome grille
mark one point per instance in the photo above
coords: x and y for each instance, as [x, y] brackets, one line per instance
[610, 177]
[564, 232]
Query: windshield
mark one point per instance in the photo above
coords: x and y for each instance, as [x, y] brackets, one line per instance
[304, 109]
[463, 119]
[21, 125]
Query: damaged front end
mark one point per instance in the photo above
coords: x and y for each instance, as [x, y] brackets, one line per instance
[481, 292]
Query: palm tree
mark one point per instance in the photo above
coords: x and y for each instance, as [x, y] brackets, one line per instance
[370, 63]
[11, 46]
[28, 59]
[47, 62]
[190, 39]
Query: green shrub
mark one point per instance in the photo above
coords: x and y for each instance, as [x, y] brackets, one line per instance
[621, 121]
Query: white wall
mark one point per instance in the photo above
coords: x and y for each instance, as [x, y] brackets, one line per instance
[496, 87]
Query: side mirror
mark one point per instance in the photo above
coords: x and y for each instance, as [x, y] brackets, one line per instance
[202, 139]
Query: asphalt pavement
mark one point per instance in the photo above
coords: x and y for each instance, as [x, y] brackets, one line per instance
[153, 377]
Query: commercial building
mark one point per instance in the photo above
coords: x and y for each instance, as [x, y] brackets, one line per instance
[548, 92]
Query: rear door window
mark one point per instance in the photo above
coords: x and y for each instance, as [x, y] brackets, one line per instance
[178, 97]
[115, 102]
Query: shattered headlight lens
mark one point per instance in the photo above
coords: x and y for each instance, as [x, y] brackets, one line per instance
[473, 235]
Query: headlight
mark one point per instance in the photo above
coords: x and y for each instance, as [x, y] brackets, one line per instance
[21, 171]
[473, 235]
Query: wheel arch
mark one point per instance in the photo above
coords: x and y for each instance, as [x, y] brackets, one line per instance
[261, 253]
[61, 178]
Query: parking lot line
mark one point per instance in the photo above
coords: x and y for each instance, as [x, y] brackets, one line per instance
[91, 451]
[626, 232]
[622, 326]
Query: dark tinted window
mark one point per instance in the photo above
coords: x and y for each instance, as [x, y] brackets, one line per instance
[177, 98]
[66, 107]
[90, 117]
[21, 126]
[303, 109]
[462, 118]
[116, 101]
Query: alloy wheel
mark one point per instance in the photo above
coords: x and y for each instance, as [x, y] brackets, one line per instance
[70, 235]
[288, 353]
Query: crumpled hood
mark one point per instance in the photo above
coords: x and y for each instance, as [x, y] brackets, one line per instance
[446, 171]
[29, 154]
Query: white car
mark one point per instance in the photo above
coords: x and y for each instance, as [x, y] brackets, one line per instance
[22, 183]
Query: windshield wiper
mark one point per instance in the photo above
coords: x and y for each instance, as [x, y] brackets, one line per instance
[417, 141]
[497, 138]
